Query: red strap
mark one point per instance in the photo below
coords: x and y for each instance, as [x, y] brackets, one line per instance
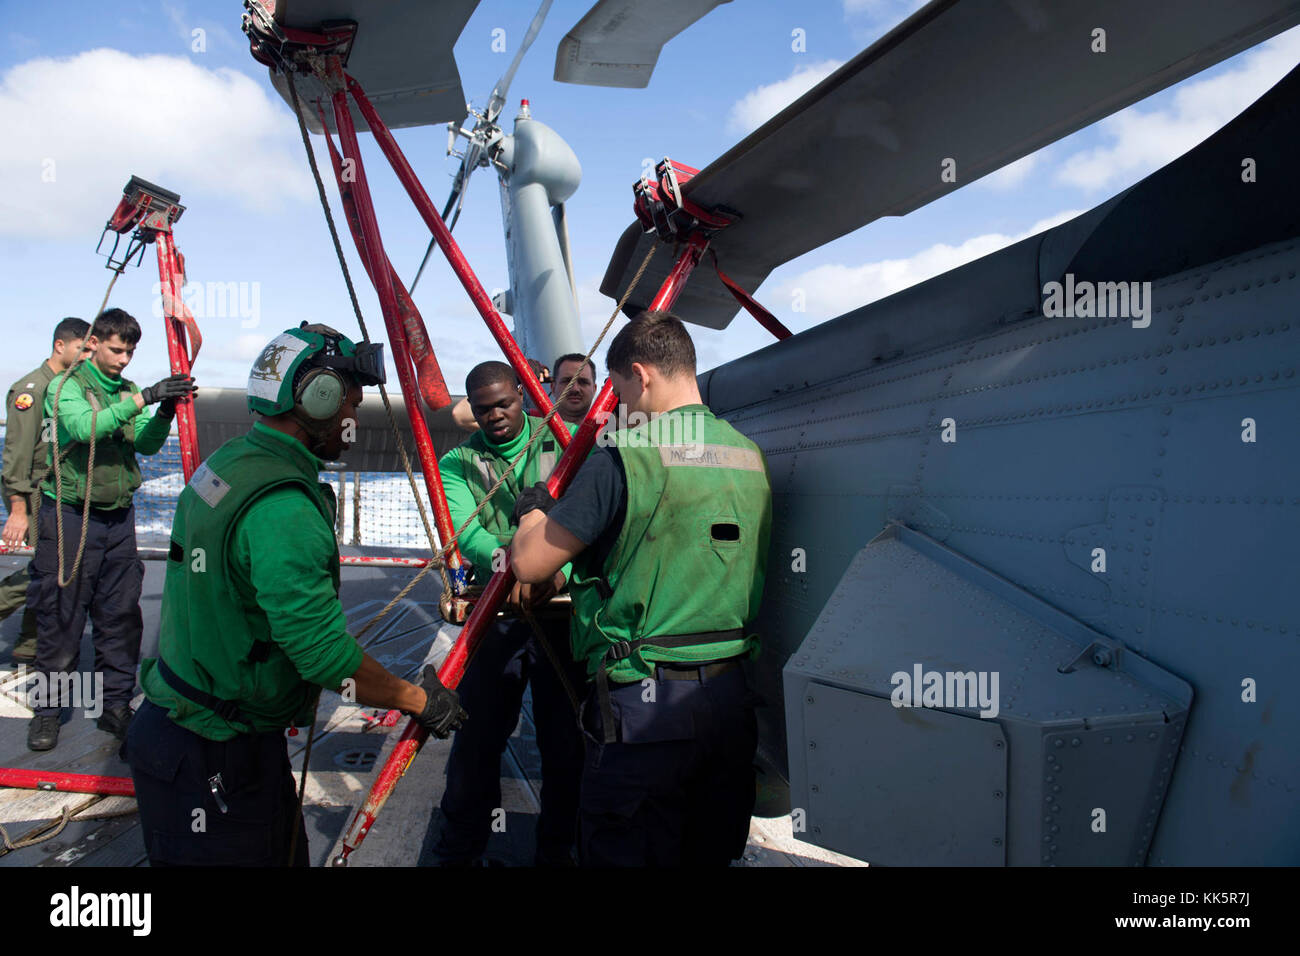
[181, 312]
[765, 318]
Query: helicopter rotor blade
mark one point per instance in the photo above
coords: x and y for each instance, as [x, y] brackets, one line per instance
[498, 98]
[423, 262]
[617, 42]
[889, 134]
[460, 200]
[562, 233]
[474, 152]
[452, 206]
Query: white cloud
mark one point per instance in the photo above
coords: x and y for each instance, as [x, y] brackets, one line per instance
[832, 290]
[241, 348]
[894, 10]
[869, 20]
[759, 105]
[94, 119]
[186, 24]
[1011, 175]
[1144, 140]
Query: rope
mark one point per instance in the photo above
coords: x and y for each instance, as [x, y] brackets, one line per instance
[58, 462]
[38, 834]
[439, 554]
[551, 656]
[509, 469]
[302, 784]
[392, 421]
[58, 484]
[361, 322]
[109, 290]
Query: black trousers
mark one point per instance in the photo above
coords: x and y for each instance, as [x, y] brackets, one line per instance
[491, 693]
[107, 586]
[249, 821]
[677, 787]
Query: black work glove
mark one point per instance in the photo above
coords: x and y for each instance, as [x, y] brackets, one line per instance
[442, 713]
[172, 387]
[167, 407]
[536, 497]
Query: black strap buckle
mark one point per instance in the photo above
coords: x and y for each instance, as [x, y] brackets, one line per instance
[619, 652]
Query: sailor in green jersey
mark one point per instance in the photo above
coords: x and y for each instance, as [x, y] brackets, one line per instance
[105, 581]
[510, 657]
[252, 627]
[668, 531]
[24, 468]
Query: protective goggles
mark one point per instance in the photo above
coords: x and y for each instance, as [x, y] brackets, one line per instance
[366, 364]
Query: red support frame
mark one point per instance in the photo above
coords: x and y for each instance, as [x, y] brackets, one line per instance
[176, 319]
[361, 217]
[63, 782]
[453, 668]
[459, 264]
[428, 374]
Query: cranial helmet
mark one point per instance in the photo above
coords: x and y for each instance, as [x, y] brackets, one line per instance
[299, 369]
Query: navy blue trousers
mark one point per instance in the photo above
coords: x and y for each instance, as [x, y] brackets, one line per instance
[492, 692]
[677, 786]
[248, 822]
[107, 587]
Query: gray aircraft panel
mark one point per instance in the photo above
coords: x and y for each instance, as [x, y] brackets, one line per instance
[1052, 737]
[982, 82]
[1074, 433]
[402, 57]
[952, 818]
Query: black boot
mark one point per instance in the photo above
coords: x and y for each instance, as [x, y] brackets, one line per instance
[43, 732]
[115, 720]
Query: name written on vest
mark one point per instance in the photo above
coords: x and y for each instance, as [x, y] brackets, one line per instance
[710, 456]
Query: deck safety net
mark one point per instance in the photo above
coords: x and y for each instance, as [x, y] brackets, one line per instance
[375, 509]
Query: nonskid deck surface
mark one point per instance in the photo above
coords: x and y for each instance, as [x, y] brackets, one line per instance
[346, 752]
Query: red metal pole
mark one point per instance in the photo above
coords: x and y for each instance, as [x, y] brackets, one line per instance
[372, 253]
[455, 257]
[66, 782]
[686, 262]
[175, 312]
[380, 561]
[485, 609]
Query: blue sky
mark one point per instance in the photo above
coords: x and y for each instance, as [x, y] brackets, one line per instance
[107, 90]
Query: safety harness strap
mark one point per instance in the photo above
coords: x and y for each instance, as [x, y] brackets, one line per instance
[225, 709]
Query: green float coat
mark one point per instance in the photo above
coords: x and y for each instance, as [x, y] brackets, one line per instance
[692, 552]
[471, 469]
[258, 565]
[121, 430]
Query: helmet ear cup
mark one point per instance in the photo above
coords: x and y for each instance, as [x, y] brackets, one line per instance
[320, 394]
